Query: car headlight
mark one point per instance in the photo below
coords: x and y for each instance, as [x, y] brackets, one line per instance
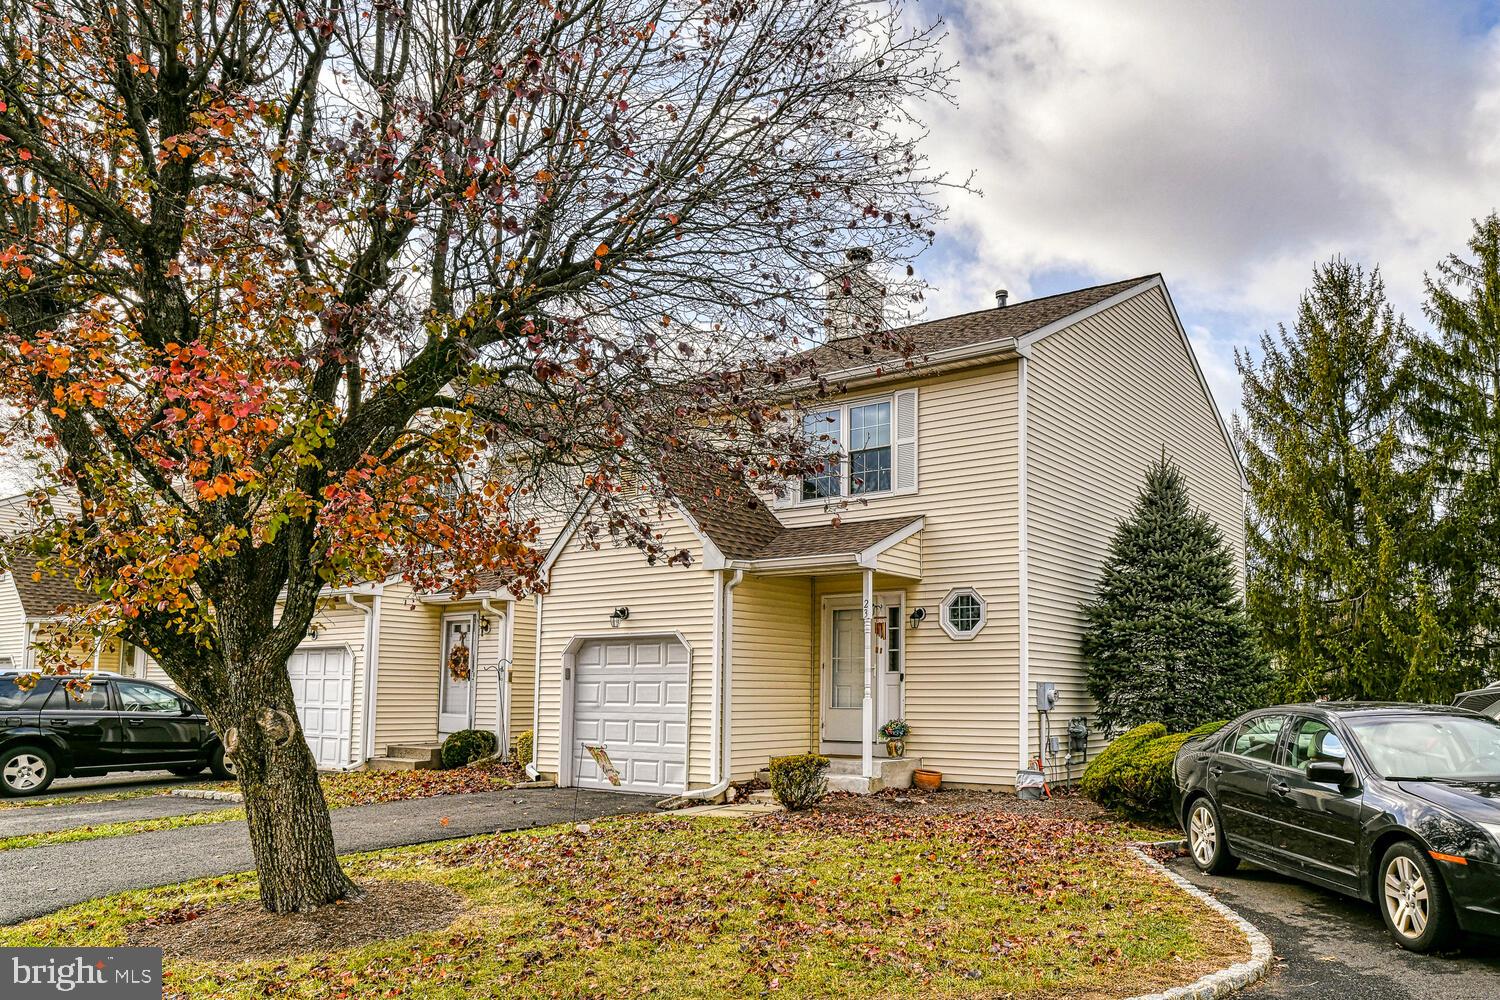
[1493, 829]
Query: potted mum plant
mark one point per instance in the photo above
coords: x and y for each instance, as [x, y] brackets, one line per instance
[894, 733]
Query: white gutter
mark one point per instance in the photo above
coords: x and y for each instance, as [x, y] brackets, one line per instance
[722, 769]
[1023, 574]
[502, 667]
[536, 697]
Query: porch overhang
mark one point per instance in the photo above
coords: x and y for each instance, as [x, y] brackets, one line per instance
[897, 553]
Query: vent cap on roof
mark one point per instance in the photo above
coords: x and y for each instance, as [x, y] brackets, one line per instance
[1001, 295]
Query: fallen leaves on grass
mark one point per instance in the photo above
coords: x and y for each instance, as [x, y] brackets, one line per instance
[357, 788]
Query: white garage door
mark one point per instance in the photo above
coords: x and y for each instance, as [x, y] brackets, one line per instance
[322, 680]
[631, 695]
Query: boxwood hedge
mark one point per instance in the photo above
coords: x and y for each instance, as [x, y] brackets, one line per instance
[1134, 773]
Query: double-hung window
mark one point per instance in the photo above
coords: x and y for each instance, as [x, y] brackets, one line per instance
[856, 461]
[870, 448]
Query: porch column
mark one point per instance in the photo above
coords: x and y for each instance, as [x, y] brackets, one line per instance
[867, 716]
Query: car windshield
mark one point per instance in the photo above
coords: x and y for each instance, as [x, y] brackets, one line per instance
[1430, 746]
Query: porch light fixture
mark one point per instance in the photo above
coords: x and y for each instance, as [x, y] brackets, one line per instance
[617, 616]
[484, 626]
[314, 628]
[917, 616]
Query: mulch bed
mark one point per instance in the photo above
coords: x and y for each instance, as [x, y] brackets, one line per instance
[240, 932]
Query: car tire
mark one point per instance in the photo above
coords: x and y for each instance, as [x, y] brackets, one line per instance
[1205, 838]
[221, 764]
[188, 771]
[26, 771]
[1414, 900]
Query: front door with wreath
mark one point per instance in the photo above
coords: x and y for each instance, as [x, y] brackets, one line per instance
[456, 686]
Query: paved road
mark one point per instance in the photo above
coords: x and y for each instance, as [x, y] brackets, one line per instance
[1334, 948]
[120, 781]
[38, 880]
[67, 815]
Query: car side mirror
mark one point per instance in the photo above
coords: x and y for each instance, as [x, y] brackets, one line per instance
[1329, 772]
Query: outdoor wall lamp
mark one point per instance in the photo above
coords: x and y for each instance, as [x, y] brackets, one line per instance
[917, 616]
[484, 626]
[617, 616]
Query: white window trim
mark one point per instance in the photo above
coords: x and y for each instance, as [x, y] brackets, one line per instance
[845, 464]
[984, 614]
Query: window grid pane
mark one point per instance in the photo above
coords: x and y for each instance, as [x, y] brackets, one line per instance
[963, 613]
[823, 430]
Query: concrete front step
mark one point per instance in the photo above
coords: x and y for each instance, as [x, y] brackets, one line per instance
[409, 757]
[844, 774]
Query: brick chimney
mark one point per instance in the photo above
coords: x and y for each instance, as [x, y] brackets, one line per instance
[856, 301]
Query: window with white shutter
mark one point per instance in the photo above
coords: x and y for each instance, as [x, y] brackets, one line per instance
[871, 449]
[904, 433]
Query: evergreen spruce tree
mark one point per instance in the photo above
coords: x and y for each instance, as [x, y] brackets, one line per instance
[1456, 410]
[1167, 637]
[1337, 504]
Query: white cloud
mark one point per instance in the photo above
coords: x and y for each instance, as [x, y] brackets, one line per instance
[1228, 146]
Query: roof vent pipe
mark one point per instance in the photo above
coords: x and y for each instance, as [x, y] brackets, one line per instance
[1000, 297]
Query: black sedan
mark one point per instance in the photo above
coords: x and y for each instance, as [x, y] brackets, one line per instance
[52, 730]
[1395, 804]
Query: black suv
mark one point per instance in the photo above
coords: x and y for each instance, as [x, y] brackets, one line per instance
[117, 724]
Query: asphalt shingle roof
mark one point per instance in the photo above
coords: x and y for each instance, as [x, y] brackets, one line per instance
[43, 593]
[965, 330]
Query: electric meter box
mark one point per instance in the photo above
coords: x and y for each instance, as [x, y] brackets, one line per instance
[1046, 696]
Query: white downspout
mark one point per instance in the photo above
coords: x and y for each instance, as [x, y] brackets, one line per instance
[536, 698]
[28, 655]
[502, 667]
[368, 611]
[722, 769]
[867, 705]
[1023, 575]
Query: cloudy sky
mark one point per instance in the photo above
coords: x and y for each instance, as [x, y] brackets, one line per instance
[1228, 146]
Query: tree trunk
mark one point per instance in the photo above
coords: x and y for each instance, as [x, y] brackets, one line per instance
[290, 831]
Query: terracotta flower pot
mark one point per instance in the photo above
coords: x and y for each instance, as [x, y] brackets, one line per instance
[928, 781]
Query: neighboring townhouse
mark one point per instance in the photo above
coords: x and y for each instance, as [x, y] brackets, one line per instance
[374, 678]
[935, 574]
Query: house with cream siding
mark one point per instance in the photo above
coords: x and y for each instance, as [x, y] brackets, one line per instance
[371, 677]
[935, 572]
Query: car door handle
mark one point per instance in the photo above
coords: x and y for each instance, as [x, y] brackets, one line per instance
[135, 722]
[60, 723]
[1281, 788]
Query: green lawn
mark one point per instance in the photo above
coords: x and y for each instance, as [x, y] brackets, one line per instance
[813, 905]
[348, 788]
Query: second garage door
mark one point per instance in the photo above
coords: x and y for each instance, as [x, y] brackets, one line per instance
[631, 696]
[322, 681]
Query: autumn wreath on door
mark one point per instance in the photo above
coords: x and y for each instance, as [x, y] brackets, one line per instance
[458, 662]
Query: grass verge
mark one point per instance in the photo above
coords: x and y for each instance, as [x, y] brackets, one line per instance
[802, 906]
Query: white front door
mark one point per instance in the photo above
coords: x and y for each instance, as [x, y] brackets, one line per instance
[843, 671]
[456, 673]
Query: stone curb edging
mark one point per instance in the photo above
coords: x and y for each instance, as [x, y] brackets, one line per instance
[1225, 981]
[206, 793]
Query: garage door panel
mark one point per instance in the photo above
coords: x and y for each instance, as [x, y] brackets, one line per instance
[321, 681]
[631, 696]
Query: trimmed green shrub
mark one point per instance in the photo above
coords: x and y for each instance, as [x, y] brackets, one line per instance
[468, 745]
[800, 780]
[1098, 778]
[524, 747]
[1136, 775]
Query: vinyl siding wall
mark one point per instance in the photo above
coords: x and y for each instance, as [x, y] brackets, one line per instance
[586, 585]
[406, 681]
[13, 634]
[522, 666]
[775, 642]
[961, 696]
[1105, 398]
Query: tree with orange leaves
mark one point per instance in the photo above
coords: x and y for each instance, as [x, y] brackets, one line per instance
[296, 293]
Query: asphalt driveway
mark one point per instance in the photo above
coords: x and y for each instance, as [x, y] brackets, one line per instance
[38, 880]
[1335, 948]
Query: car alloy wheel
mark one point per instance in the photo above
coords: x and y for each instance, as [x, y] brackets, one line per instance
[1406, 897]
[25, 771]
[1203, 834]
